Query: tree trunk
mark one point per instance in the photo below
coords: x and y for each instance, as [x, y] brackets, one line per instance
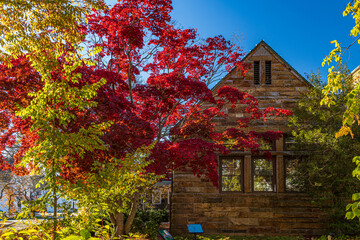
[117, 219]
[132, 213]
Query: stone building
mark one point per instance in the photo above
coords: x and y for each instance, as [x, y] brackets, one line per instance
[256, 196]
[355, 75]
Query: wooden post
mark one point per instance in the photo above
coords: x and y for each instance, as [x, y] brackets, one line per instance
[247, 173]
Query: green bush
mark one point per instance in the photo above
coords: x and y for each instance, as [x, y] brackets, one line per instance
[147, 222]
[325, 171]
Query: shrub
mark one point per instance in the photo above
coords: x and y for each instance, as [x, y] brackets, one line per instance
[148, 221]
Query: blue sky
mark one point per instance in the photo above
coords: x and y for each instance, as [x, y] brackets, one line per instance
[300, 31]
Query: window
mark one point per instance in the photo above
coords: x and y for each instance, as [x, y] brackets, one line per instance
[263, 175]
[289, 142]
[160, 196]
[231, 174]
[268, 72]
[257, 72]
[156, 197]
[291, 165]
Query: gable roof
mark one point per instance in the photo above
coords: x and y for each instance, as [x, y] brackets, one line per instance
[272, 51]
[355, 70]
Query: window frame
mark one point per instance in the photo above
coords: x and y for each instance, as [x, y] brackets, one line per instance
[154, 194]
[241, 158]
[285, 136]
[274, 182]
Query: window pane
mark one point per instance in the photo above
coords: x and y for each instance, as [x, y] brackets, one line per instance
[156, 197]
[291, 183]
[263, 175]
[231, 183]
[232, 165]
[231, 174]
[289, 142]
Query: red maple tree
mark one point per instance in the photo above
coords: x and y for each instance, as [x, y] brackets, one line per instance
[157, 79]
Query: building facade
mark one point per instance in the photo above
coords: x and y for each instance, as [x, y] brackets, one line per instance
[255, 196]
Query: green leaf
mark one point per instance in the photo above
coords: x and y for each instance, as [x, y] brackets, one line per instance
[7, 234]
[356, 196]
[349, 215]
[348, 206]
[85, 233]
[356, 160]
[357, 212]
[72, 237]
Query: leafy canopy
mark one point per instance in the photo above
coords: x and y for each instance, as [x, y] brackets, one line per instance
[337, 82]
[144, 84]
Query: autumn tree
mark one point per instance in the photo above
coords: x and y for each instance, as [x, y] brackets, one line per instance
[338, 82]
[162, 73]
[47, 33]
[148, 91]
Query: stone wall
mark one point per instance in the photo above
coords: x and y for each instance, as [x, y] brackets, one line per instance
[196, 200]
[286, 89]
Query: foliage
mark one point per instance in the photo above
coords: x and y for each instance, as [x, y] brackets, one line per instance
[111, 186]
[325, 169]
[336, 83]
[47, 33]
[81, 118]
[147, 222]
[68, 227]
[340, 237]
[210, 237]
[32, 232]
[336, 79]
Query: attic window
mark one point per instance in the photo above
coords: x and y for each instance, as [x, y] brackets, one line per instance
[268, 72]
[257, 72]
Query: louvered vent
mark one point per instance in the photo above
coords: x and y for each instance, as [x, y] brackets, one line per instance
[257, 73]
[268, 72]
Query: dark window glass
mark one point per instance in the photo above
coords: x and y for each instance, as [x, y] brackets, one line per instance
[263, 175]
[268, 72]
[291, 182]
[231, 174]
[257, 73]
